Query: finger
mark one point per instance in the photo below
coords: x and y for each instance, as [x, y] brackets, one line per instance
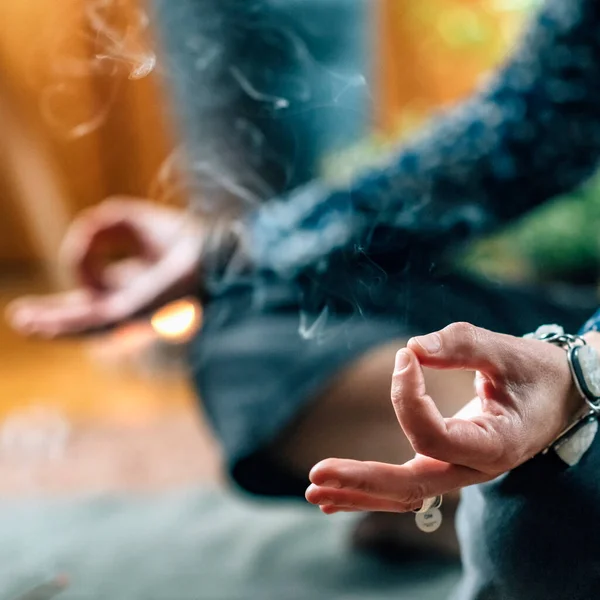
[408, 484]
[471, 443]
[106, 245]
[68, 313]
[25, 314]
[464, 346]
[99, 233]
[334, 510]
[59, 314]
[351, 500]
[121, 273]
[417, 413]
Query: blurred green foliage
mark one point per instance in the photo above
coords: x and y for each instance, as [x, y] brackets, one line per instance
[558, 241]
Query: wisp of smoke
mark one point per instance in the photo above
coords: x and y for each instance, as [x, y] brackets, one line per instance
[107, 46]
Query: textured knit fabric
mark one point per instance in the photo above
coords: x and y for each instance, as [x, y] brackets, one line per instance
[532, 133]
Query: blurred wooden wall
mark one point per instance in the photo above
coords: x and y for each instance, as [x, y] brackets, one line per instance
[75, 128]
[433, 52]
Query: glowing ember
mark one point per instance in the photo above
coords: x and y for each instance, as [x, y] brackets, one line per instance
[178, 321]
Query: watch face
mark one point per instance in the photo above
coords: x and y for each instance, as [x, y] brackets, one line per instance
[589, 364]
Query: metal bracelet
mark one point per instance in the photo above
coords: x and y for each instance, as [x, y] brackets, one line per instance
[566, 341]
[591, 399]
[554, 334]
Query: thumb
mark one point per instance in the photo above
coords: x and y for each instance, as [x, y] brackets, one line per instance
[464, 346]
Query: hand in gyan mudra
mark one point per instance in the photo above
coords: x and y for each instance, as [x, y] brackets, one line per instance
[525, 397]
[126, 255]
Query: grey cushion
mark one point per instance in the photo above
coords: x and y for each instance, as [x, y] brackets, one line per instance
[196, 545]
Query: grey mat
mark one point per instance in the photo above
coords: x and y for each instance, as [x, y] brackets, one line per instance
[196, 545]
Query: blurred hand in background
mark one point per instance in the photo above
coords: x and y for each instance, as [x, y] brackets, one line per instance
[126, 256]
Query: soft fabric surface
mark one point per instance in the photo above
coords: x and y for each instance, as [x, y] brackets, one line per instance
[197, 545]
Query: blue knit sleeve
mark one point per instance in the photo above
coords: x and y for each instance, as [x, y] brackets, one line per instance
[532, 133]
[593, 324]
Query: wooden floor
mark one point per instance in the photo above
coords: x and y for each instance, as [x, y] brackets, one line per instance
[108, 412]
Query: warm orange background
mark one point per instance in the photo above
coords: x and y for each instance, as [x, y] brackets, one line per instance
[433, 52]
[48, 83]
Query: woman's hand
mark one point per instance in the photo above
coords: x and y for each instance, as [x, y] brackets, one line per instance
[162, 249]
[525, 399]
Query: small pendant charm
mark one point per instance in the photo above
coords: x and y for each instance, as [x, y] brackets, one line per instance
[429, 521]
